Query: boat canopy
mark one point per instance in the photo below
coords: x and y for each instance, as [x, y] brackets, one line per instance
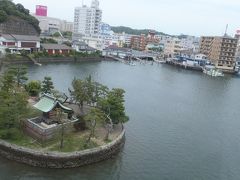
[47, 103]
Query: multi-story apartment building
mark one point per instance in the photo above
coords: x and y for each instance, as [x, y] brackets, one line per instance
[190, 43]
[127, 39]
[220, 51]
[206, 45]
[238, 47]
[87, 20]
[172, 47]
[138, 42]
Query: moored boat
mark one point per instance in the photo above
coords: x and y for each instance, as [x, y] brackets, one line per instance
[212, 71]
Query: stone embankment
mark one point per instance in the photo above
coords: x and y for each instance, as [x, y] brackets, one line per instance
[56, 60]
[61, 160]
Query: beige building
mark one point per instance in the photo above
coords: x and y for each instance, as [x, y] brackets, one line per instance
[220, 51]
[172, 47]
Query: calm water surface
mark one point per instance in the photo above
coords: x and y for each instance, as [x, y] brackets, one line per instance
[183, 125]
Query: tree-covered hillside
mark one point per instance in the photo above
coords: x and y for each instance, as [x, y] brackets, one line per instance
[8, 9]
[128, 30]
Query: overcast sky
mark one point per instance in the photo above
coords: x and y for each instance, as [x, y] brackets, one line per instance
[193, 17]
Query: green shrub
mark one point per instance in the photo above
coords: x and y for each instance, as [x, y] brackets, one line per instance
[33, 88]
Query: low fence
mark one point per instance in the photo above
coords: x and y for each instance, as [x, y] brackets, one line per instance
[61, 160]
[43, 135]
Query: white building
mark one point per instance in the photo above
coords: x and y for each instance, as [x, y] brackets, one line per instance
[94, 41]
[87, 19]
[190, 43]
[16, 43]
[50, 25]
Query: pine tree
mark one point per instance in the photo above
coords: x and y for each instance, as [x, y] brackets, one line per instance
[47, 85]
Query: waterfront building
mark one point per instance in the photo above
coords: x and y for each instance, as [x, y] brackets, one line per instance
[16, 43]
[206, 45]
[138, 42]
[189, 43]
[117, 51]
[196, 45]
[172, 47]
[94, 41]
[220, 50]
[152, 40]
[127, 39]
[87, 20]
[81, 46]
[113, 39]
[141, 42]
[237, 36]
[52, 49]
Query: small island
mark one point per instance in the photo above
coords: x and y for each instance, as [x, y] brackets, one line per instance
[43, 127]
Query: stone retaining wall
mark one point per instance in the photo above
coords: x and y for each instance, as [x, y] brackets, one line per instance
[61, 160]
[57, 60]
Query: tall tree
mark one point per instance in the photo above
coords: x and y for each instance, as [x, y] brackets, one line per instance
[113, 105]
[80, 92]
[13, 105]
[7, 82]
[19, 73]
[93, 117]
[100, 92]
[47, 85]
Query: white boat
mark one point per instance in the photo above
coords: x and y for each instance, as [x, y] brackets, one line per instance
[213, 71]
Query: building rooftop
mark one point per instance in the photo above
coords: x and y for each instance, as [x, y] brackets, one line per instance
[56, 46]
[15, 37]
[48, 103]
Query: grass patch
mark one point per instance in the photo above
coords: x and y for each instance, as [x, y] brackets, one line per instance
[72, 143]
[23, 140]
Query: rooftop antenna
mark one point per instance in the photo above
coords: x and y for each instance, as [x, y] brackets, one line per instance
[225, 34]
